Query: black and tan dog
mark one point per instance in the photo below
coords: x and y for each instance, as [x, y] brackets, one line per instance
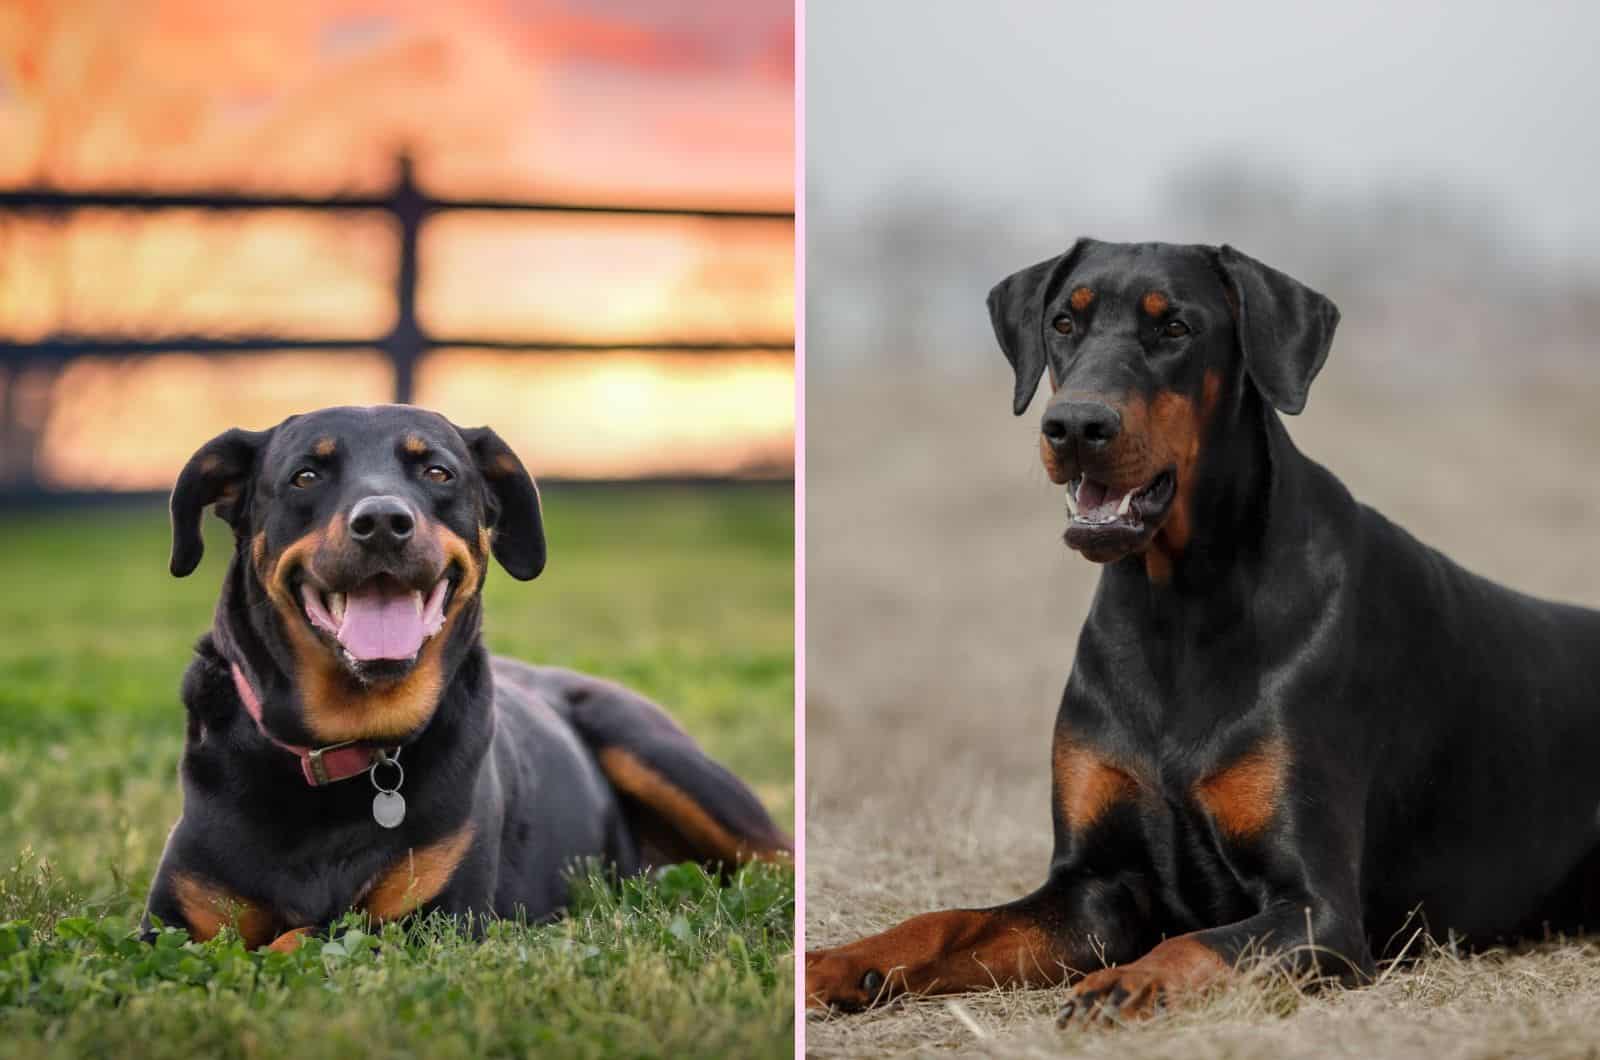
[351, 745]
[1288, 723]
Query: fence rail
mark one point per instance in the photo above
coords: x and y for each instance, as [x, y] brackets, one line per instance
[404, 343]
[44, 197]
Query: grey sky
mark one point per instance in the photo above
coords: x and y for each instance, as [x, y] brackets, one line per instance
[1021, 101]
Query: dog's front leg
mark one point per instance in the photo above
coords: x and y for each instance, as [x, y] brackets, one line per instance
[1071, 924]
[1304, 933]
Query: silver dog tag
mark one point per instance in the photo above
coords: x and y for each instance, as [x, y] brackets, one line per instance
[389, 808]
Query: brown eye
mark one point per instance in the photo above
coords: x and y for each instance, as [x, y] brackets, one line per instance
[437, 474]
[1175, 329]
[303, 478]
[1062, 324]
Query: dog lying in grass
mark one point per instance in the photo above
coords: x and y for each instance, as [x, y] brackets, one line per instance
[352, 745]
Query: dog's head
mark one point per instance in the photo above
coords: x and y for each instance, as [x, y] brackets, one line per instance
[362, 537]
[1143, 343]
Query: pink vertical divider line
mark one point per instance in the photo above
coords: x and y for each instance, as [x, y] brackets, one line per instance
[799, 525]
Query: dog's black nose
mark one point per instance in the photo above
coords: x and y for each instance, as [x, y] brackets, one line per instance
[1090, 423]
[381, 522]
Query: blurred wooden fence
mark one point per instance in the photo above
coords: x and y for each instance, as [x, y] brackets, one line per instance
[405, 342]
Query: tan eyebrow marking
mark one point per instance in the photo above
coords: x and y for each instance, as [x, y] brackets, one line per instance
[325, 446]
[415, 445]
[1081, 298]
[1155, 303]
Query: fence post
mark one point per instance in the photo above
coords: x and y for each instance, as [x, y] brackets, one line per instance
[405, 342]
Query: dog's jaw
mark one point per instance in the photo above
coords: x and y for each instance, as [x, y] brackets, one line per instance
[1106, 523]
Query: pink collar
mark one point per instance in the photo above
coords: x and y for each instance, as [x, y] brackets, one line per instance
[321, 765]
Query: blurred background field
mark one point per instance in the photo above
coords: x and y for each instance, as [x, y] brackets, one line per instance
[1416, 168]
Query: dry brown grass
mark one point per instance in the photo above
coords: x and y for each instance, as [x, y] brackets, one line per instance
[1446, 1006]
[942, 614]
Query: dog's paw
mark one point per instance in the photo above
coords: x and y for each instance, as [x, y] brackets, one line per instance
[1177, 968]
[289, 941]
[1114, 995]
[838, 980]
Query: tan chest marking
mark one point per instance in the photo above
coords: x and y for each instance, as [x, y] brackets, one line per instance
[1087, 784]
[1244, 796]
[417, 878]
[208, 909]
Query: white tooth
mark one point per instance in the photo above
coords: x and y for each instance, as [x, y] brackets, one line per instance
[1127, 499]
[1072, 506]
[416, 601]
[336, 603]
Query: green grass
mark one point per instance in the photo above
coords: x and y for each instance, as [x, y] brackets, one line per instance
[686, 595]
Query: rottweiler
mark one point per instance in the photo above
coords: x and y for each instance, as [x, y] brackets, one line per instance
[351, 745]
[1289, 726]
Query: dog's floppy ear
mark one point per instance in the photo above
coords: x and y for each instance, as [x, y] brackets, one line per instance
[1016, 309]
[512, 504]
[1285, 328]
[218, 473]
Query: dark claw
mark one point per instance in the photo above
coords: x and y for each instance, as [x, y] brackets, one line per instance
[1080, 1010]
[872, 982]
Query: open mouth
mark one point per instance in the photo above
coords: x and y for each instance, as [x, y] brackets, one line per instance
[379, 622]
[1105, 522]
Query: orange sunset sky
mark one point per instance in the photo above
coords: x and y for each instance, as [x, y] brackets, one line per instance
[613, 102]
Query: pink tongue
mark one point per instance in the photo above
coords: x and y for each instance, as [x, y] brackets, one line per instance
[381, 622]
[1096, 499]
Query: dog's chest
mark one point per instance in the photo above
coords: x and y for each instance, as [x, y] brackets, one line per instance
[386, 884]
[1195, 818]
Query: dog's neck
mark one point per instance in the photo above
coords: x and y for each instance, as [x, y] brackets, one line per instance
[1253, 503]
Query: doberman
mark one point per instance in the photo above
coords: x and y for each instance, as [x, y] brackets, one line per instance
[1289, 725]
[346, 647]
